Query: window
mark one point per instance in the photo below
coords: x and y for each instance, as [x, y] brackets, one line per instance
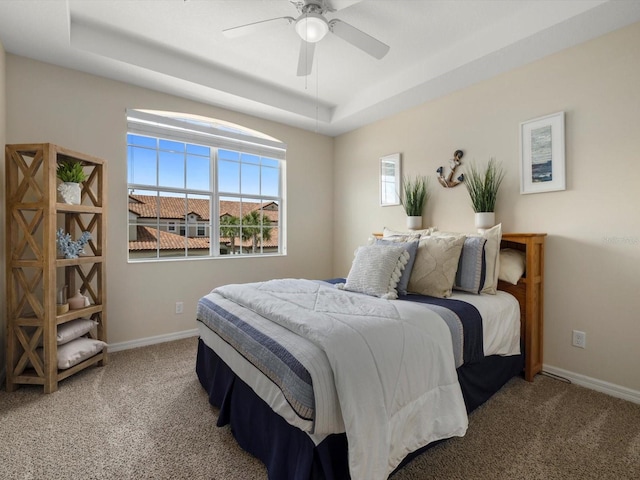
[202, 188]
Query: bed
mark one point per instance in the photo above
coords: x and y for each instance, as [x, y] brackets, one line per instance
[294, 402]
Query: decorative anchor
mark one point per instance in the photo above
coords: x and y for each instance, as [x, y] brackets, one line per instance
[448, 181]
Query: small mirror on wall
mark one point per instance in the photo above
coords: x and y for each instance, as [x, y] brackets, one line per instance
[390, 180]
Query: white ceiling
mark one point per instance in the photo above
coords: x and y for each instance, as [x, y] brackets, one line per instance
[177, 46]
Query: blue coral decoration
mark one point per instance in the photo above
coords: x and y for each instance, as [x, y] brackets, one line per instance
[68, 247]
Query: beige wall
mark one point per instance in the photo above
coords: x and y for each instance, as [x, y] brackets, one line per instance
[87, 113]
[593, 247]
[3, 130]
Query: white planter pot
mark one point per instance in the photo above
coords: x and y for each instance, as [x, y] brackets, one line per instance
[485, 220]
[70, 192]
[414, 223]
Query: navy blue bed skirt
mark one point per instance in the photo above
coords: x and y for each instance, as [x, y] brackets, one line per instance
[287, 452]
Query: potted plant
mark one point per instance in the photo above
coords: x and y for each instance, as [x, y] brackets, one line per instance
[71, 174]
[415, 196]
[483, 189]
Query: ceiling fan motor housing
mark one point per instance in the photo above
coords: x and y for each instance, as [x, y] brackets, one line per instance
[311, 25]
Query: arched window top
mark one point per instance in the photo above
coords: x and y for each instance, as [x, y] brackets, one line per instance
[226, 134]
[211, 123]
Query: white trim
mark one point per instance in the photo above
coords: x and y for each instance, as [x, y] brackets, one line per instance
[595, 384]
[145, 123]
[144, 342]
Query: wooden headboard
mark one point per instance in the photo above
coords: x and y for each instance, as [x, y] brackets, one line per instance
[530, 294]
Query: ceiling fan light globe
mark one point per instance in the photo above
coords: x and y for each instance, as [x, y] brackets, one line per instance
[311, 27]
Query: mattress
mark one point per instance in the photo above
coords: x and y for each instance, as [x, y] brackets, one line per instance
[500, 321]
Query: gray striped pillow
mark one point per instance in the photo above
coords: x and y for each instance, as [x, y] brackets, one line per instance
[472, 266]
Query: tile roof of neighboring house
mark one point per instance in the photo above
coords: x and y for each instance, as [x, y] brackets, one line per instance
[148, 240]
[174, 207]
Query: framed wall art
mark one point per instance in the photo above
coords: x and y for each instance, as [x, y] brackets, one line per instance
[542, 159]
[390, 180]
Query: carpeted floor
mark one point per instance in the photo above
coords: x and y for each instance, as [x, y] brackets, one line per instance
[146, 416]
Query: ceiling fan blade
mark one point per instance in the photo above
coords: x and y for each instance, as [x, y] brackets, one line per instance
[256, 27]
[305, 59]
[358, 38]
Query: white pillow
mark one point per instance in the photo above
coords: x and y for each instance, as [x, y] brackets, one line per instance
[408, 235]
[74, 329]
[376, 270]
[434, 270]
[512, 265]
[492, 257]
[77, 350]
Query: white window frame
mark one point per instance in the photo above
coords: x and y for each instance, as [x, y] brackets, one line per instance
[215, 135]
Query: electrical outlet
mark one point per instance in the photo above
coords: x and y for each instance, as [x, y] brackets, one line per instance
[579, 339]
[179, 307]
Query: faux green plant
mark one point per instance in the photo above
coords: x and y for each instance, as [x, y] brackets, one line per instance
[70, 171]
[483, 185]
[415, 195]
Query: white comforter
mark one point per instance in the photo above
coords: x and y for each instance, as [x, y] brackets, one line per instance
[393, 366]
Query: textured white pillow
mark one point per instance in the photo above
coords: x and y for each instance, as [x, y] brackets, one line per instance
[512, 265]
[434, 269]
[77, 350]
[376, 270]
[412, 249]
[74, 329]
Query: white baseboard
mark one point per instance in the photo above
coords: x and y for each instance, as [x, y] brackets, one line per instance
[595, 384]
[143, 342]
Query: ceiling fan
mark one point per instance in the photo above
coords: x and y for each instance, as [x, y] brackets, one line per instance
[312, 26]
